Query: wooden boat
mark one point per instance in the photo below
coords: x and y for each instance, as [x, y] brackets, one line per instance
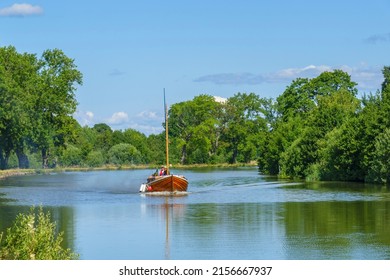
[165, 183]
[168, 182]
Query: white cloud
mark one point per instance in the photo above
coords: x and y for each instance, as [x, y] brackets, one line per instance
[293, 73]
[220, 99]
[147, 129]
[232, 78]
[148, 115]
[118, 118]
[84, 118]
[21, 10]
[366, 77]
[89, 115]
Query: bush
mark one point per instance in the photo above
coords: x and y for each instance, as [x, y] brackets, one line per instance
[72, 156]
[95, 159]
[124, 154]
[32, 237]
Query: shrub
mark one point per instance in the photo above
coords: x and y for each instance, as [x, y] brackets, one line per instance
[32, 237]
[72, 156]
[95, 159]
[124, 154]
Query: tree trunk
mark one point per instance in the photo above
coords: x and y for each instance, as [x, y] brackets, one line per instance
[183, 154]
[45, 158]
[3, 162]
[24, 163]
[3, 159]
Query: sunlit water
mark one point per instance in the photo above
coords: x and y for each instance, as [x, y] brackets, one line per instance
[226, 214]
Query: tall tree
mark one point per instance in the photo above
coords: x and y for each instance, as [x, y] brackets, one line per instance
[194, 125]
[55, 102]
[18, 77]
[245, 126]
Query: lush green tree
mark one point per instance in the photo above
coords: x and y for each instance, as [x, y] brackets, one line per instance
[313, 108]
[296, 100]
[340, 154]
[276, 141]
[71, 156]
[139, 141]
[193, 124]
[123, 153]
[380, 164]
[244, 126]
[104, 136]
[85, 140]
[156, 146]
[18, 77]
[95, 159]
[55, 102]
[331, 81]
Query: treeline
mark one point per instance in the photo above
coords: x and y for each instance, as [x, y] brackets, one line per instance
[322, 131]
[201, 131]
[317, 128]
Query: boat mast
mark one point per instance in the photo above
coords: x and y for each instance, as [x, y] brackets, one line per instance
[166, 135]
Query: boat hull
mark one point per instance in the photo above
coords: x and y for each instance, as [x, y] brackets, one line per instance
[166, 183]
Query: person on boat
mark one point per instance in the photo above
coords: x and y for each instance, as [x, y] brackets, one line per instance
[163, 171]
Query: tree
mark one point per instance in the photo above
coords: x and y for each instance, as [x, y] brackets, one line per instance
[379, 171]
[194, 123]
[124, 154]
[18, 77]
[71, 156]
[340, 153]
[104, 137]
[55, 102]
[296, 100]
[138, 140]
[313, 107]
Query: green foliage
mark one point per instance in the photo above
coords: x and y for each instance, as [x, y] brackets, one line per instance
[124, 154]
[36, 101]
[195, 124]
[72, 156]
[323, 132]
[380, 165]
[340, 154]
[94, 159]
[33, 237]
[244, 123]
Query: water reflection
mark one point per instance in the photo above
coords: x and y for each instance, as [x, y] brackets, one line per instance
[337, 230]
[167, 211]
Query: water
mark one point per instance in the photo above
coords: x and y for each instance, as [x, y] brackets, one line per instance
[227, 214]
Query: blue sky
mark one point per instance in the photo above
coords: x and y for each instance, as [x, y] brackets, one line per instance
[128, 51]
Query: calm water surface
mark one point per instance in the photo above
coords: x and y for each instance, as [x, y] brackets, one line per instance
[227, 214]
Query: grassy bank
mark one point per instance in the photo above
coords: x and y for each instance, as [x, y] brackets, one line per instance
[20, 172]
[16, 172]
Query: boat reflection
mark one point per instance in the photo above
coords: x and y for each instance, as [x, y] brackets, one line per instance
[165, 212]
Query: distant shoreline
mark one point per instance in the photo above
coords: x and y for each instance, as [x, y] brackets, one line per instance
[21, 172]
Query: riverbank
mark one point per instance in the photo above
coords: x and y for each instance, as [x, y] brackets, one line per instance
[16, 172]
[20, 172]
